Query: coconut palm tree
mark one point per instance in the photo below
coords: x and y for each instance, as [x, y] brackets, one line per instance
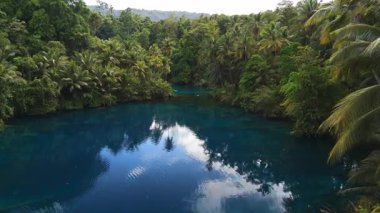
[365, 178]
[355, 121]
[225, 56]
[307, 8]
[140, 68]
[87, 60]
[167, 46]
[274, 38]
[356, 118]
[333, 15]
[256, 25]
[106, 79]
[358, 49]
[74, 81]
[51, 63]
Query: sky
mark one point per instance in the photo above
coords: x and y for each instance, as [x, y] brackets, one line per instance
[228, 7]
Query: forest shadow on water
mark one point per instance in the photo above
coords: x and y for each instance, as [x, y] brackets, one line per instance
[188, 154]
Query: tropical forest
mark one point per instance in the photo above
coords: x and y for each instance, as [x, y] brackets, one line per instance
[147, 111]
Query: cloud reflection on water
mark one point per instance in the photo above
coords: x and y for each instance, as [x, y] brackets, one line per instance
[212, 195]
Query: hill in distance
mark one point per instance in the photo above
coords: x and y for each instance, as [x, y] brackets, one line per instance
[154, 15]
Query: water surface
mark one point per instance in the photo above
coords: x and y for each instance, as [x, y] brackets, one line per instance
[185, 155]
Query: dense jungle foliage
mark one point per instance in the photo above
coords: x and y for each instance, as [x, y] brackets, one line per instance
[299, 62]
[58, 55]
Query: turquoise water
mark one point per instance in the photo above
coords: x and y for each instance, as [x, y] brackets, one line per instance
[185, 155]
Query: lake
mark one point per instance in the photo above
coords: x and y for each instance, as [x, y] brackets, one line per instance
[188, 154]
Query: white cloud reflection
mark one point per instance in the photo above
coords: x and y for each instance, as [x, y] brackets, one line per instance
[212, 194]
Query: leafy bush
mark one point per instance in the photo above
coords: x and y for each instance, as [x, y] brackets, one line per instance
[264, 100]
[309, 97]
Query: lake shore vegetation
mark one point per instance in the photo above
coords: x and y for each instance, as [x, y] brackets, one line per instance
[315, 63]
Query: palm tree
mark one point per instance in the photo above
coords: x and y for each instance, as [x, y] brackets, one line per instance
[355, 121]
[356, 118]
[87, 60]
[51, 63]
[106, 79]
[365, 178]
[167, 46]
[110, 51]
[274, 38]
[74, 81]
[333, 15]
[155, 60]
[242, 41]
[208, 47]
[357, 49]
[307, 8]
[140, 68]
[225, 53]
[256, 24]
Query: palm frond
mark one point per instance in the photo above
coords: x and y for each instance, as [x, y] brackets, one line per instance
[357, 67]
[357, 32]
[319, 16]
[351, 51]
[325, 34]
[373, 49]
[361, 189]
[365, 178]
[353, 120]
[368, 172]
[351, 108]
[360, 131]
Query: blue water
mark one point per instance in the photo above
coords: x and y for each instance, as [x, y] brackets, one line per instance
[188, 154]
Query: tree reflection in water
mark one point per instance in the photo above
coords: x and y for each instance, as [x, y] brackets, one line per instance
[247, 162]
[211, 195]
